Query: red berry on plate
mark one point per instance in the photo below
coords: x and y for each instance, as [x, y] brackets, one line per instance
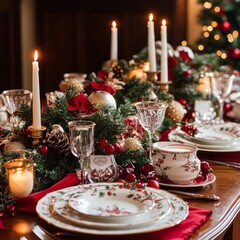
[118, 147]
[139, 185]
[131, 177]
[102, 143]
[109, 193]
[109, 149]
[153, 183]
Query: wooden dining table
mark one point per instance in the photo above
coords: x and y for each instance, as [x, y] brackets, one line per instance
[223, 224]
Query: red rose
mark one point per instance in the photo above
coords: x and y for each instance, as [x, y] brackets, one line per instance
[80, 103]
[93, 86]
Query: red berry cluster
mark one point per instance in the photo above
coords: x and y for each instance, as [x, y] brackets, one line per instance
[147, 175]
[8, 211]
[116, 147]
[189, 129]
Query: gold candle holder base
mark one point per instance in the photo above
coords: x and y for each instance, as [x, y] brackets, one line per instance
[152, 76]
[36, 134]
[164, 86]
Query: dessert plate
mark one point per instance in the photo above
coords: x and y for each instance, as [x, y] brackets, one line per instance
[178, 212]
[161, 209]
[198, 182]
[175, 137]
[219, 134]
[111, 203]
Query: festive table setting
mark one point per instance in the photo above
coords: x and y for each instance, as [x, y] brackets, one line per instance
[142, 148]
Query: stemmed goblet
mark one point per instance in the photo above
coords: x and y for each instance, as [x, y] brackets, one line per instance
[221, 87]
[13, 99]
[151, 115]
[81, 135]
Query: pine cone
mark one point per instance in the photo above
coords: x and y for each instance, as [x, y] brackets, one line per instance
[58, 140]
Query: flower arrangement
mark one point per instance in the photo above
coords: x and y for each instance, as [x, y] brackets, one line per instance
[117, 130]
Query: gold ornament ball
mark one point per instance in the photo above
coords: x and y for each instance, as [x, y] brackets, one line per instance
[132, 144]
[13, 147]
[102, 99]
[175, 111]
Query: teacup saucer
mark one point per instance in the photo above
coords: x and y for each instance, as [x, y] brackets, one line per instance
[210, 178]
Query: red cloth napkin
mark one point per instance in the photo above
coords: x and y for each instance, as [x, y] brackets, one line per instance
[219, 156]
[29, 203]
[2, 227]
[196, 218]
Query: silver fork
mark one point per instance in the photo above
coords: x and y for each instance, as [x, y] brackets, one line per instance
[43, 234]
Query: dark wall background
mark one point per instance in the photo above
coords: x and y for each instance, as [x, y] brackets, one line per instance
[73, 37]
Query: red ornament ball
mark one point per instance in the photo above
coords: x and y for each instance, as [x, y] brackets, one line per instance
[102, 143]
[43, 150]
[182, 101]
[153, 183]
[235, 53]
[118, 147]
[109, 149]
[225, 26]
[27, 132]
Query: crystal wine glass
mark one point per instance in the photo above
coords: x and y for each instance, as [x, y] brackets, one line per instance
[13, 99]
[81, 143]
[151, 115]
[221, 87]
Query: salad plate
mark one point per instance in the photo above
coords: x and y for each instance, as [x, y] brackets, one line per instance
[174, 136]
[178, 212]
[219, 134]
[161, 209]
[111, 203]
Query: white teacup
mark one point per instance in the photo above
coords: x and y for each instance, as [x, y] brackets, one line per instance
[176, 162]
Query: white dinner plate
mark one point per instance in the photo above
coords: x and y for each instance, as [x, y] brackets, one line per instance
[161, 209]
[217, 135]
[175, 137]
[179, 211]
[111, 203]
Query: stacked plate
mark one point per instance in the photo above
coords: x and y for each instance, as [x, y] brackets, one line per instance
[111, 209]
[223, 137]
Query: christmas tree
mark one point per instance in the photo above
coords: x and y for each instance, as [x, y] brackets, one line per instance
[220, 32]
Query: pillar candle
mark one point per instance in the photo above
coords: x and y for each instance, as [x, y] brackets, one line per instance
[36, 94]
[21, 183]
[164, 54]
[151, 45]
[114, 41]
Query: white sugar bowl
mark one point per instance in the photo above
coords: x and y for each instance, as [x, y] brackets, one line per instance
[176, 162]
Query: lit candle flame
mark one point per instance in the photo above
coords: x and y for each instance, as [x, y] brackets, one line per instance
[35, 55]
[114, 24]
[164, 22]
[150, 17]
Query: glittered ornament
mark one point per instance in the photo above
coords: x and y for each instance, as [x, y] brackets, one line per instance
[175, 111]
[102, 99]
[13, 147]
[132, 144]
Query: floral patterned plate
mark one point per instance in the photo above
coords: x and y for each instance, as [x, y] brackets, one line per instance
[111, 203]
[219, 134]
[179, 211]
[161, 209]
[198, 182]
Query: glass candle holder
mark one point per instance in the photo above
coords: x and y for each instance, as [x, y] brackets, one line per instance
[20, 176]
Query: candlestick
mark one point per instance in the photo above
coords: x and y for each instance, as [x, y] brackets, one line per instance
[20, 176]
[36, 94]
[114, 42]
[164, 54]
[151, 44]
